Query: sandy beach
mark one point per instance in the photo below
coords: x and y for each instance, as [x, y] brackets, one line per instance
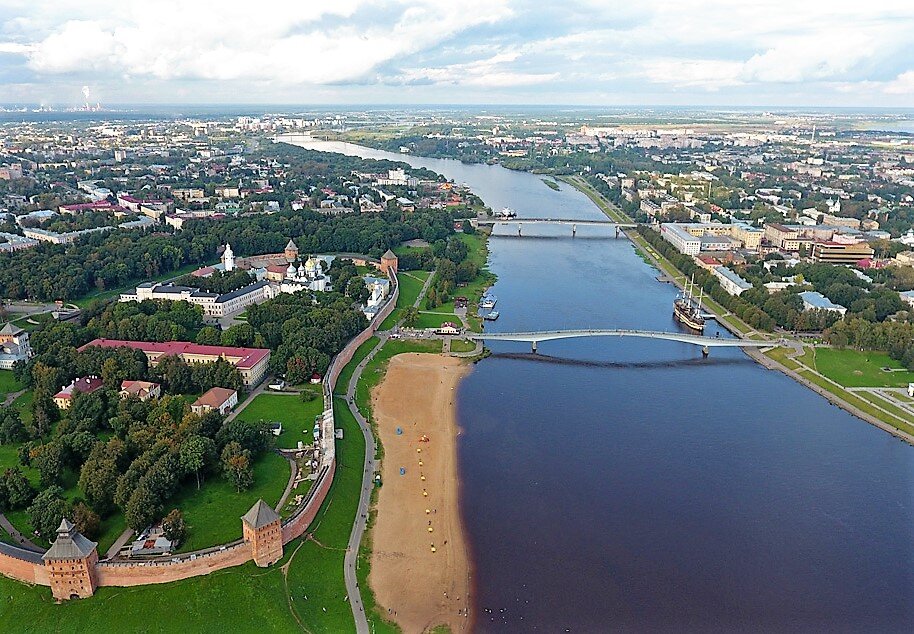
[420, 587]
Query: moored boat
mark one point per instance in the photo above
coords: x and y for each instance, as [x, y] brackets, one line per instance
[687, 309]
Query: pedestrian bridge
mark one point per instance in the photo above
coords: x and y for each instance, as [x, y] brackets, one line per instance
[555, 221]
[698, 340]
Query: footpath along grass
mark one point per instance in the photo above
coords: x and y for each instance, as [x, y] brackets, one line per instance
[342, 382]
[410, 284]
[853, 368]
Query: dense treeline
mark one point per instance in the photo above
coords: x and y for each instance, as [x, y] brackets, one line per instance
[452, 270]
[130, 456]
[305, 332]
[150, 320]
[112, 260]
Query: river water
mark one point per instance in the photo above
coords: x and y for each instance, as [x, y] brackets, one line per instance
[630, 485]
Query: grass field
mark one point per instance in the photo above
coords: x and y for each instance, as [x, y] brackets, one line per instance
[462, 345]
[435, 318]
[297, 417]
[8, 383]
[851, 368]
[342, 382]
[213, 514]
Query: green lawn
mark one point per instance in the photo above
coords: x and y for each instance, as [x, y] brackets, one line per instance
[462, 345]
[434, 319]
[851, 368]
[213, 514]
[241, 599]
[8, 383]
[342, 382]
[297, 417]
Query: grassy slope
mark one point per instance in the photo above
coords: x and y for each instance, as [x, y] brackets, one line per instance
[8, 383]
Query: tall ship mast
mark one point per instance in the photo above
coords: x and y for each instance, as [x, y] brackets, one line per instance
[687, 309]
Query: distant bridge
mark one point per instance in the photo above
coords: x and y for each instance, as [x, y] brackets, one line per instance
[555, 221]
[698, 340]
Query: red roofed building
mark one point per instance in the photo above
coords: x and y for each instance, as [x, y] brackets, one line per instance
[84, 385]
[217, 398]
[251, 362]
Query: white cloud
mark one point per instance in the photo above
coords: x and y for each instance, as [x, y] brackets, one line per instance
[274, 40]
[297, 49]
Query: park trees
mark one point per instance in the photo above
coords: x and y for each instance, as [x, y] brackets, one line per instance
[236, 464]
[196, 454]
[11, 428]
[15, 490]
[47, 510]
[174, 527]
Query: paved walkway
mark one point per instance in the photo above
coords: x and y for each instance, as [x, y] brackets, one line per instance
[361, 519]
[20, 539]
[12, 396]
[119, 543]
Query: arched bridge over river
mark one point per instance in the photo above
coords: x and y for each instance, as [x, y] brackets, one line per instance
[554, 221]
[706, 343]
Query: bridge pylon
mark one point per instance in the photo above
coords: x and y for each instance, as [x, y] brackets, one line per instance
[574, 230]
[533, 346]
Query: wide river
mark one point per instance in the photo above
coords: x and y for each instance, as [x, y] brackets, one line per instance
[625, 484]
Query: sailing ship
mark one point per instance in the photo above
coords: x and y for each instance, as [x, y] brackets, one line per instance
[687, 309]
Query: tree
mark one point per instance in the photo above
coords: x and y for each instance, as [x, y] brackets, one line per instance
[11, 428]
[208, 336]
[86, 520]
[195, 454]
[47, 510]
[44, 414]
[15, 490]
[174, 528]
[142, 508]
[236, 463]
[49, 460]
[410, 316]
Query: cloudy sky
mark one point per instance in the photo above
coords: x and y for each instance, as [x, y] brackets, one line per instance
[702, 52]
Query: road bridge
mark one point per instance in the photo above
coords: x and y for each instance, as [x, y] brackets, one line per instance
[556, 221]
[706, 343]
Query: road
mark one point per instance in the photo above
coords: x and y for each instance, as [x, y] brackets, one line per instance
[361, 519]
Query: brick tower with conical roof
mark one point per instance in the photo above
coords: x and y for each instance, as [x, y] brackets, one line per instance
[261, 527]
[70, 562]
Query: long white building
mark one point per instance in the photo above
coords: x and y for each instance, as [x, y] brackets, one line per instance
[213, 304]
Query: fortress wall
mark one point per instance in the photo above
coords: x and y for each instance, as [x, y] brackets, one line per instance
[23, 570]
[141, 573]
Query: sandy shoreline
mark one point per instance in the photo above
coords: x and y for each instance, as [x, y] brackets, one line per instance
[421, 588]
